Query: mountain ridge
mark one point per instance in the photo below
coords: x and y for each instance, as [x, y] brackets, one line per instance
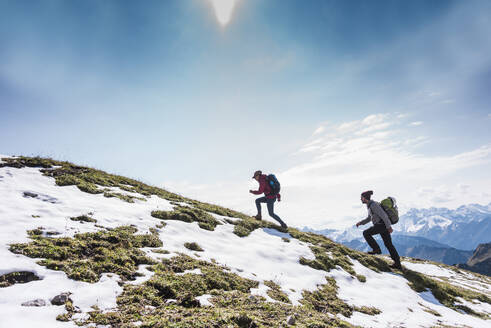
[480, 261]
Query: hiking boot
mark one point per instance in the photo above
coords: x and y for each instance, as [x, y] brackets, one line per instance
[374, 252]
[397, 266]
[258, 217]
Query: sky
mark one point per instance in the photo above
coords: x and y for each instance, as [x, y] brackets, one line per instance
[334, 97]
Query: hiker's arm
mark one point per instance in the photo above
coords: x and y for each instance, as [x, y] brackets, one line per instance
[379, 211]
[259, 191]
[362, 222]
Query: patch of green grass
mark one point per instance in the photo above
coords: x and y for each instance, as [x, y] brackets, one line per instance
[327, 259]
[361, 278]
[233, 305]
[429, 310]
[244, 227]
[20, 162]
[90, 188]
[188, 214]
[83, 218]
[160, 251]
[35, 232]
[329, 254]
[194, 247]
[18, 277]
[86, 256]
[370, 310]
[125, 198]
[184, 288]
[275, 292]
[70, 311]
[325, 299]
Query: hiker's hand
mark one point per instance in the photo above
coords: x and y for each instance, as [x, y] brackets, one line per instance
[251, 191]
[357, 224]
[390, 230]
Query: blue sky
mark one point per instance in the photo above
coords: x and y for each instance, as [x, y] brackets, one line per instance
[161, 92]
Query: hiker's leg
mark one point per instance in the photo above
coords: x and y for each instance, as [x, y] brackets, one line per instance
[390, 247]
[258, 204]
[271, 212]
[370, 240]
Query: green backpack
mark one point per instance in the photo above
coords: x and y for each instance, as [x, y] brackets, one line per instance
[390, 207]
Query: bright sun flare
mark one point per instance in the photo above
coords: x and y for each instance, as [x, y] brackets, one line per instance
[223, 10]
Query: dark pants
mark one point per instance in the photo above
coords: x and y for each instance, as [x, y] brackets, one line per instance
[270, 204]
[382, 230]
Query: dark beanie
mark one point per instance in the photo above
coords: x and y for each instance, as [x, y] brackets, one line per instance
[367, 194]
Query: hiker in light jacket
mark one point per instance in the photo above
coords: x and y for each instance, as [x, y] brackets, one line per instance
[269, 198]
[381, 225]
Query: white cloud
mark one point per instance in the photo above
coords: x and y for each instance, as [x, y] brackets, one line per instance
[441, 194]
[319, 130]
[322, 189]
[417, 123]
[351, 158]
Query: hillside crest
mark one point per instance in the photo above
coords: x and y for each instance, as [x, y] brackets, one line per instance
[126, 254]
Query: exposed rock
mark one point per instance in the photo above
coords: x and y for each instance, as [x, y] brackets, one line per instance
[291, 320]
[480, 261]
[61, 299]
[30, 194]
[243, 321]
[37, 302]
[53, 233]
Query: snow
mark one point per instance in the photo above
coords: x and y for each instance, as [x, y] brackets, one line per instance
[204, 300]
[459, 278]
[428, 297]
[400, 305]
[54, 206]
[428, 269]
[252, 257]
[476, 305]
[261, 256]
[195, 271]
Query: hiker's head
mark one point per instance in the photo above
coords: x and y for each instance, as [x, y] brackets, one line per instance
[257, 174]
[365, 196]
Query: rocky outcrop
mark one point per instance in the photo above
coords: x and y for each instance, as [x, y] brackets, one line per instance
[36, 302]
[61, 299]
[480, 261]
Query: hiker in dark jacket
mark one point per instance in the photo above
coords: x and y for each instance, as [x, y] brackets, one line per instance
[269, 198]
[381, 225]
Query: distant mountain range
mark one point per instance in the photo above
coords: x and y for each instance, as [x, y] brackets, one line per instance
[437, 234]
[463, 228]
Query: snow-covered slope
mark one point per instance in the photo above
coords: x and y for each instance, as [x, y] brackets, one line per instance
[293, 278]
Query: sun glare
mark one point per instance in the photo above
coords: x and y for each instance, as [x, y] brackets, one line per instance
[223, 10]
